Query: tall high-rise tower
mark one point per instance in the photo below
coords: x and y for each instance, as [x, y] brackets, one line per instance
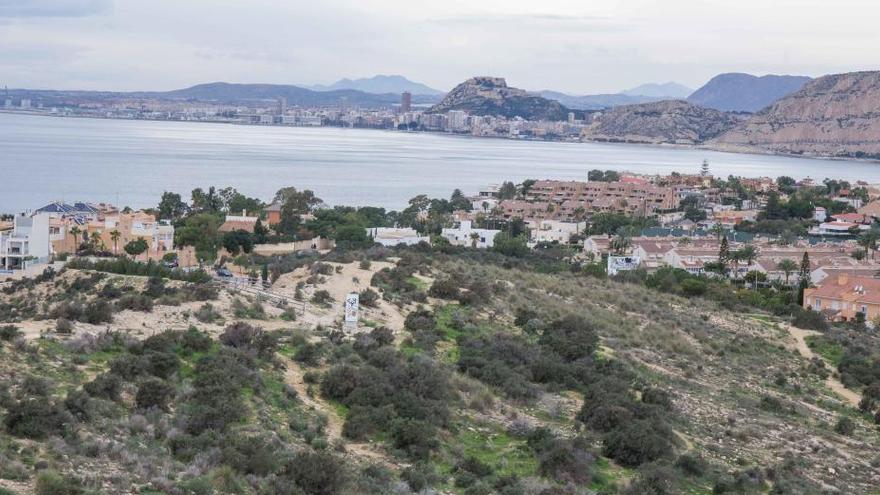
[405, 102]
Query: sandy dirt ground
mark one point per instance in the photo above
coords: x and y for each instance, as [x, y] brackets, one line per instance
[799, 336]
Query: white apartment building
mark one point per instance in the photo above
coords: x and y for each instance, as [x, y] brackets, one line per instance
[389, 236]
[27, 242]
[466, 235]
[553, 231]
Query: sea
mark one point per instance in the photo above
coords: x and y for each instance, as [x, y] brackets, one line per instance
[132, 162]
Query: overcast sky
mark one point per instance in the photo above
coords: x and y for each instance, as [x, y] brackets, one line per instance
[577, 46]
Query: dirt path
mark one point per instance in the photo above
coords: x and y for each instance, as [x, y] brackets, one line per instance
[831, 382]
[293, 376]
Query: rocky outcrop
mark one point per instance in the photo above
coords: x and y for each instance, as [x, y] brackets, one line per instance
[737, 92]
[836, 116]
[492, 96]
[671, 121]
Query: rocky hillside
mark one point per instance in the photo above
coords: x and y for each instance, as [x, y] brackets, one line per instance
[737, 92]
[836, 115]
[672, 121]
[492, 96]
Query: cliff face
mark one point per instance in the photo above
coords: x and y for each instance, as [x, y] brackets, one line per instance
[836, 115]
[492, 96]
[737, 92]
[674, 121]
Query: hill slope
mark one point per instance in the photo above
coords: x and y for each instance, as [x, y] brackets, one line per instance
[492, 96]
[672, 121]
[835, 115]
[736, 92]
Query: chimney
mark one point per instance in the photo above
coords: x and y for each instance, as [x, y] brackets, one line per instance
[842, 279]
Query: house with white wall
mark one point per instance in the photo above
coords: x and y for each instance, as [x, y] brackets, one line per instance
[466, 235]
[27, 243]
[391, 236]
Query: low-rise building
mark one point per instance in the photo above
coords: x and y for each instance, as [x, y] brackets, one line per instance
[239, 222]
[391, 236]
[553, 231]
[26, 243]
[466, 235]
[843, 296]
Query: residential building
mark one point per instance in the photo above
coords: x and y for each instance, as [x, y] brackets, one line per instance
[273, 213]
[239, 222]
[405, 102]
[842, 297]
[466, 235]
[27, 243]
[553, 231]
[389, 236]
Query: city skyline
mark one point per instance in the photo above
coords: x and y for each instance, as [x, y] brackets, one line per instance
[561, 45]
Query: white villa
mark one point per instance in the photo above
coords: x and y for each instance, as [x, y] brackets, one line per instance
[466, 235]
[27, 242]
[390, 236]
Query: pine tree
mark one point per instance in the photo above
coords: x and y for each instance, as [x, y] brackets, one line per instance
[724, 253]
[805, 268]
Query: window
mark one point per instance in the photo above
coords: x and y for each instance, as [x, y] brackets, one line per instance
[818, 303]
[864, 310]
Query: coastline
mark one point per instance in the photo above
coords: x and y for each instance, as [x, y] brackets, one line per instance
[730, 149]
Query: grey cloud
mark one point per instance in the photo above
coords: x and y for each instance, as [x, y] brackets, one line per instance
[53, 8]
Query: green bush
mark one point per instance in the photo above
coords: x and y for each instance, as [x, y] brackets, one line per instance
[638, 442]
[154, 392]
[9, 332]
[105, 386]
[52, 483]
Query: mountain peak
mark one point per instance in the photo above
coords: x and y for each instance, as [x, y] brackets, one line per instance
[660, 90]
[486, 95]
[740, 92]
[380, 84]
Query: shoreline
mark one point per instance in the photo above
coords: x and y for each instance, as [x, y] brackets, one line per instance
[736, 150]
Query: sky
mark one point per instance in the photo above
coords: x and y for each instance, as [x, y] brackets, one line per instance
[576, 46]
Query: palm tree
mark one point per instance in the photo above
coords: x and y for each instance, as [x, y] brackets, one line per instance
[748, 254]
[718, 230]
[76, 232]
[868, 240]
[736, 257]
[475, 237]
[684, 241]
[620, 243]
[114, 236]
[580, 214]
[787, 267]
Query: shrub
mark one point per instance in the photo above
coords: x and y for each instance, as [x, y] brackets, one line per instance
[207, 314]
[637, 442]
[253, 311]
[97, 311]
[445, 288]
[420, 320]
[315, 473]
[692, 464]
[566, 460]
[243, 336]
[369, 298]
[216, 400]
[63, 326]
[105, 386]
[194, 340]
[52, 483]
[321, 297]
[135, 302]
[36, 418]
[309, 354]
[809, 320]
[9, 332]
[572, 337]
[154, 392]
[845, 426]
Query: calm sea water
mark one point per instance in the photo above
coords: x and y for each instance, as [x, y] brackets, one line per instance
[133, 162]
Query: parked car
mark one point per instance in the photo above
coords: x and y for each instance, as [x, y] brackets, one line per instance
[224, 272]
[171, 264]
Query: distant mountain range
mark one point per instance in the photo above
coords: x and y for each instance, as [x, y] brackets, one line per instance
[594, 102]
[665, 91]
[380, 84]
[492, 96]
[736, 92]
[230, 93]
